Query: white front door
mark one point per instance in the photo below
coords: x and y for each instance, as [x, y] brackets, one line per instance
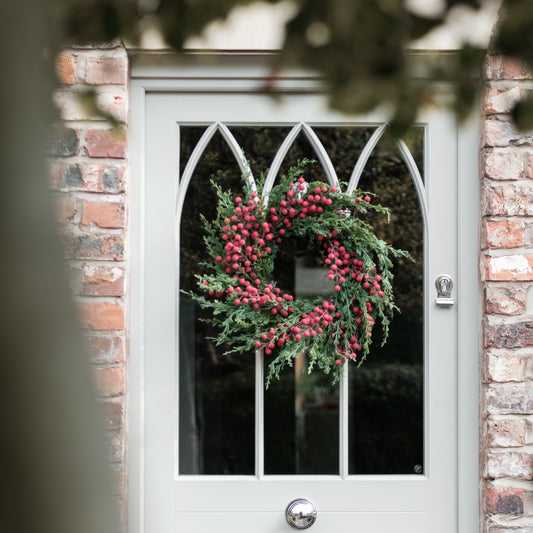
[380, 452]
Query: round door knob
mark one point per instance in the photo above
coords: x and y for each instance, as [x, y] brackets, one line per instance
[300, 514]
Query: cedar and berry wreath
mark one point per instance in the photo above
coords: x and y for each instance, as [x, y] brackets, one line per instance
[253, 313]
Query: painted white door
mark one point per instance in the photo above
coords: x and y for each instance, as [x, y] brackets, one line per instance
[248, 487]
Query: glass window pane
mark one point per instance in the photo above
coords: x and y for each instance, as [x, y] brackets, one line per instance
[386, 408]
[216, 402]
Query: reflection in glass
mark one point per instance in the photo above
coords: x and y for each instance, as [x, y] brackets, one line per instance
[301, 411]
[386, 392]
[216, 391]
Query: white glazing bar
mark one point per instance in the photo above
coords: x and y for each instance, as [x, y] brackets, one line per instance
[278, 159]
[416, 177]
[323, 156]
[259, 415]
[239, 155]
[343, 422]
[363, 158]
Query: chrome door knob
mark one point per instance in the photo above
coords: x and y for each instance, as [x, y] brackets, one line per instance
[300, 514]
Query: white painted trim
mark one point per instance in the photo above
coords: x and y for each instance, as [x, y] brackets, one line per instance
[246, 75]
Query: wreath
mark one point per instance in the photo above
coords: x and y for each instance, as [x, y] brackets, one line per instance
[249, 309]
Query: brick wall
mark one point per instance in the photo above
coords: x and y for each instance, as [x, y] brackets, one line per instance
[89, 177]
[507, 280]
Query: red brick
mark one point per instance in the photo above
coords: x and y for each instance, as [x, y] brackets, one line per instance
[102, 281]
[504, 500]
[110, 381]
[506, 300]
[505, 368]
[500, 164]
[101, 315]
[106, 143]
[94, 246]
[506, 432]
[66, 209]
[106, 70]
[66, 69]
[509, 268]
[106, 349]
[504, 233]
[516, 465]
[88, 177]
[103, 214]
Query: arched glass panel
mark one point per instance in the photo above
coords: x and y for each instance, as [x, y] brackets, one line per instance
[386, 393]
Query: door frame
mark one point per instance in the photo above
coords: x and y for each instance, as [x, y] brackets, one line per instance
[166, 72]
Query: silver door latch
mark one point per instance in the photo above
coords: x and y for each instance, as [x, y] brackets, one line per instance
[444, 286]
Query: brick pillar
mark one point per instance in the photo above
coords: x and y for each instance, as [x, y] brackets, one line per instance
[507, 328]
[89, 176]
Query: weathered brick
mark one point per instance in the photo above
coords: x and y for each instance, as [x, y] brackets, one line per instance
[100, 280]
[505, 368]
[106, 349]
[114, 102]
[106, 178]
[106, 143]
[516, 465]
[502, 164]
[106, 70]
[117, 475]
[103, 214]
[501, 100]
[101, 315]
[508, 200]
[110, 381]
[504, 500]
[62, 142]
[74, 106]
[500, 133]
[504, 399]
[507, 300]
[509, 268]
[115, 446]
[114, 413]
[505, 529]
[93, 246]
[506, 233]
[66, 177]
[506, 68]
[66, 209]
[65, 66]
[506, 432]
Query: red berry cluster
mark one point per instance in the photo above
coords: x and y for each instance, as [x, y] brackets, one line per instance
[248, 234]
